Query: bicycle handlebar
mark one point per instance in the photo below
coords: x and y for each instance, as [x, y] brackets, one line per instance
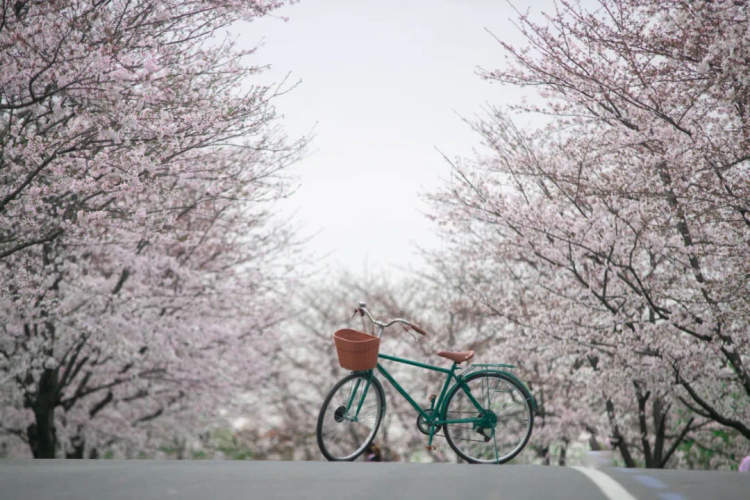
[362, 310]
[418, 330]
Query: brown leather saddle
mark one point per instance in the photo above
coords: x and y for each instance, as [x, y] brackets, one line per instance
[458, 357]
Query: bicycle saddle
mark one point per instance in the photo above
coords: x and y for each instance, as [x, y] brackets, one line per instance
[458, 357]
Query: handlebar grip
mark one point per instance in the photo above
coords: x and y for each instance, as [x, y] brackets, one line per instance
[418, 330]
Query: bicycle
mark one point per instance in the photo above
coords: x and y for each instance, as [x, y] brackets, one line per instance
[486, 415]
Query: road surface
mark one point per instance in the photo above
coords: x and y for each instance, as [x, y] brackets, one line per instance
[197, 480]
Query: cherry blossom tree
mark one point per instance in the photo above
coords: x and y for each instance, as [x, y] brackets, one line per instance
[140, 256]
[617, 235]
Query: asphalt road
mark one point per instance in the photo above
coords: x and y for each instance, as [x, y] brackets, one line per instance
[194, 480]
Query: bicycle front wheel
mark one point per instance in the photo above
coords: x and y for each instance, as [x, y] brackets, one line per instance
[500, 430]
[350, 417]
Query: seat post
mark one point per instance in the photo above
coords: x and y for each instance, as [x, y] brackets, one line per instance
[451, 375]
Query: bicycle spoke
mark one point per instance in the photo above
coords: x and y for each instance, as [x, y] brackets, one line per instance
[494, 439]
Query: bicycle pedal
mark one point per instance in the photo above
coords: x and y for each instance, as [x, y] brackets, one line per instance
[431, 448]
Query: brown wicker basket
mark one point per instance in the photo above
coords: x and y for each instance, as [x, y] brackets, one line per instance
[357, 350]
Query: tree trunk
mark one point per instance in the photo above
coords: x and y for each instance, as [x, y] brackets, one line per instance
[563, 453]
[617, 440]
[660, 413]
[78, 447]
[593, 441]
[544, 452]
[41, 434]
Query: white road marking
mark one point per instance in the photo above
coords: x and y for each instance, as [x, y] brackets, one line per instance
[611, 488]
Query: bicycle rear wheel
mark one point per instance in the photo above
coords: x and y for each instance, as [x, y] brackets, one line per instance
[350, 416]
[507, 414]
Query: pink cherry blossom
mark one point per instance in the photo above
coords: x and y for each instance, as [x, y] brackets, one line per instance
[615, 238]
[138, 249]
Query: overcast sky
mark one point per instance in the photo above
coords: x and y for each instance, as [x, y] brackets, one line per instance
[383, 84]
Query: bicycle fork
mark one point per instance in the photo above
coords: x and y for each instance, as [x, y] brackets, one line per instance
[362, 397]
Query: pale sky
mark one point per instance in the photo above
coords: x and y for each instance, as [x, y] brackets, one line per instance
[382, 84]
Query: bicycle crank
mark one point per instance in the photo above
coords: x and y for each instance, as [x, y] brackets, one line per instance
[424, 426]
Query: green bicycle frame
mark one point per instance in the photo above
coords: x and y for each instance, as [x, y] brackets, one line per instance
[434, 417]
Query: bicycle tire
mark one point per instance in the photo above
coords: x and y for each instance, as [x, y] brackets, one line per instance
[339, 437]
[508, 400]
